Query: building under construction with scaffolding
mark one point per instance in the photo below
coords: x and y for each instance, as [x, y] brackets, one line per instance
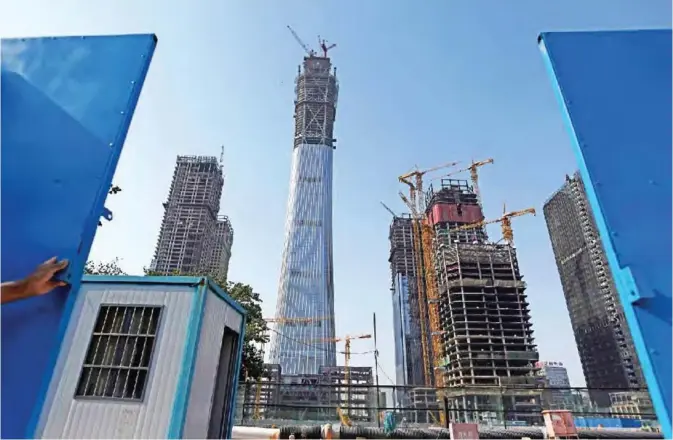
[192, 238]
[406, 315]
[312, 396]
[304, 340]
[478, 336]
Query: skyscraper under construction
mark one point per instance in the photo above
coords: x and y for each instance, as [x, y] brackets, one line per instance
[473, 313]
[303, 340]
[192, 237]
[406, 315]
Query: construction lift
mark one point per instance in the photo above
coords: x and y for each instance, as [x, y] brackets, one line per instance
[422, 236]
[432, 294]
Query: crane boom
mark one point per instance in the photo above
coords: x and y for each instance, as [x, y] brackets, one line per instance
[414, 173]
[284, 320]
[389, 210]
[504, 220]
[308, 50]
[474, 175]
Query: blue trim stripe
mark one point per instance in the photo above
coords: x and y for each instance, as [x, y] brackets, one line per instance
[225, 296]
[33, 424]
[179, 412]
[622, 276]
[234, 383]
[133, 279]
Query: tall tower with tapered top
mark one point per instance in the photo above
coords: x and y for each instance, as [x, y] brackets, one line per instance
[303, 339]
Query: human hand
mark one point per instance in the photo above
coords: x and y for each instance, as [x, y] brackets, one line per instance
[41, 280]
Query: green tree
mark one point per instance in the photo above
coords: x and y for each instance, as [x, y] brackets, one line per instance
[256, 330]
[109, 268]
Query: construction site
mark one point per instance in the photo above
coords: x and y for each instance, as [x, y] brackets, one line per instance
[347, 392]
[472, 313]
[464, 345]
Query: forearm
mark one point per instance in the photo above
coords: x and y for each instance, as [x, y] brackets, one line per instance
[12, 291]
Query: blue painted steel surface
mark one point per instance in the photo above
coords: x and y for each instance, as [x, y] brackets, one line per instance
[177, 421]
[615, 92]
[66, 108]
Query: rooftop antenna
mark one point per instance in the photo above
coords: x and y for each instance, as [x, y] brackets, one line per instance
[221, 157]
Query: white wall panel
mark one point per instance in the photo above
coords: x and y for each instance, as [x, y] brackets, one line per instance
[217, 315]
[67, 417]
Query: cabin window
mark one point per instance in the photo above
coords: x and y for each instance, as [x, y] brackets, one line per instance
[120, 351]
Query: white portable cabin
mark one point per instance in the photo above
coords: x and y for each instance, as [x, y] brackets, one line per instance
[146, 357]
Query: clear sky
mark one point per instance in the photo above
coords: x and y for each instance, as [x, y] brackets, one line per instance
[422, 83]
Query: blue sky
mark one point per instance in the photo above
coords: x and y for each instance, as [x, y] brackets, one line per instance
[422, 83]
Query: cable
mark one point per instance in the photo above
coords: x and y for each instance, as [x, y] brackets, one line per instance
[392, 382]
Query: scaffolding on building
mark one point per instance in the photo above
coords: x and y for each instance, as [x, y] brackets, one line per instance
[187, 236]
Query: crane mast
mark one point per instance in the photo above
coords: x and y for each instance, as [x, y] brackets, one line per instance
[347, 358]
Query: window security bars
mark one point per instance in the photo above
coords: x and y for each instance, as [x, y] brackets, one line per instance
[118, 359]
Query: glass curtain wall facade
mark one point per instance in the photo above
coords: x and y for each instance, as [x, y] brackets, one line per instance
[408, 354]
[603, 340]
[303, 339]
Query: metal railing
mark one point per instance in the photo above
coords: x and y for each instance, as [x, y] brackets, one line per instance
[267, 403]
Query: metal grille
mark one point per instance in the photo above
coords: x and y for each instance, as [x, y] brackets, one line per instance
[117, 361]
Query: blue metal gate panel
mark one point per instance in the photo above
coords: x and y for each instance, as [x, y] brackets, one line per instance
[615, 91]
[66, 106]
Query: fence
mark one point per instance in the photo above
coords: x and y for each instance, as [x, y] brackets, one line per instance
[269, 403]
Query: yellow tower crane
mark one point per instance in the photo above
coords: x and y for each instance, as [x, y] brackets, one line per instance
[416, 186]
[302, 320]
[474, 175]
[414, 180]
[430, 276]
[347, 358]
[505, 220]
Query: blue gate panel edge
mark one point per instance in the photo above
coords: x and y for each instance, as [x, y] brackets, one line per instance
[66, 106]
[614, 88]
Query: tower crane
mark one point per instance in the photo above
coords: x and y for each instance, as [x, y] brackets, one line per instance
[416, 186]
[432, 295]
[310, 52]
[389, 210]
[505, 220]
[347, 357]
[474, 176]
[284, 320]
[325, 48]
